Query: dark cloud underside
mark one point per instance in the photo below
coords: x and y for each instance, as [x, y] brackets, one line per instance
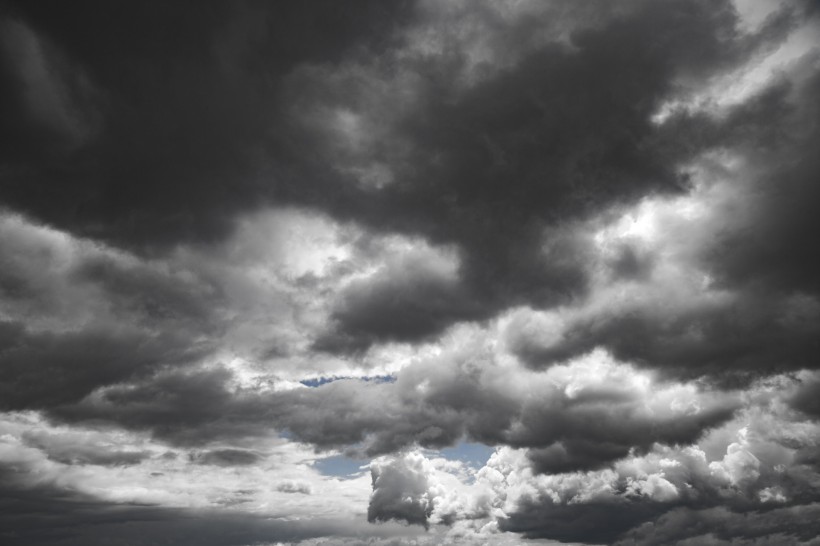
[187, 93]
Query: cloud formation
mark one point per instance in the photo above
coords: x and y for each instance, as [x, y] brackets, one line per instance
[246, 248]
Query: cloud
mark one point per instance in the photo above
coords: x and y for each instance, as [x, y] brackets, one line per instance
[44, 370]
[400, 491]
[226, 457]
[216, 72]
[723, 285]
[140, 525]
[51, 103]
[290, 486]
[583, 415]
[793, 525]
[82, 448]
[577, 234]
[412, 297]
[86, 466]
[79, 316]
[509, 165]
[805, 399]
[751, 464]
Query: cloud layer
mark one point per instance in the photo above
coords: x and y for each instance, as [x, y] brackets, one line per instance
[268, 271]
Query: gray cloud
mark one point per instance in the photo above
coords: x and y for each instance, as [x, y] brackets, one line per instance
[580, 233]
[792, 525]
[411, 299]
[431, 404]
[291, 486]
[215, 71]
[69, 449]
[400, 491]
[226, 457]
[734, 343]
[523, 150]
[806, 398]
[515, 153]
[752, 247]
[45, 370]
[699, 492]
[75, 519]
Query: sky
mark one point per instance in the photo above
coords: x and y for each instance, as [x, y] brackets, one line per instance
[411, 272]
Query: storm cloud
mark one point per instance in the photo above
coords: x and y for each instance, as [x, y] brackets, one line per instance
[276, 273]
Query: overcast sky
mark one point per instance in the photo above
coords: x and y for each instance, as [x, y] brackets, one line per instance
[409, 272]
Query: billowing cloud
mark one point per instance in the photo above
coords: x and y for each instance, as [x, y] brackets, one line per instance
[749, 468]
[401, 491]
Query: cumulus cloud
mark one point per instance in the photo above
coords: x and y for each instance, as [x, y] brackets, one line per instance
[744, 467]
[401, 490]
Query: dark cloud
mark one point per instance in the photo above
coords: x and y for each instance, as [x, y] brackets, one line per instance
[202, 109]
[408, 301]
[563, 133]
[632, 263]
[187, 94]
[170, 404]
[675, 494]
[82, 449]
[756, 250]
[592, 523]
[576, 454]
[701, 509]
[226, 457]
[50, 515]
[792, 525]
[432, 404]
[154, 296]
[43, 370]
[597, 431]
[766, 243]
[468, 165]
[57, 281]
[734, 343]
[48, 102]
[807, 397]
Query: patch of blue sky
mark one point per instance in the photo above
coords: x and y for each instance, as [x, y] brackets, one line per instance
[341, 466]
[324, 380]
[472, 454]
